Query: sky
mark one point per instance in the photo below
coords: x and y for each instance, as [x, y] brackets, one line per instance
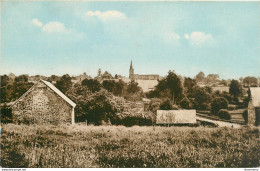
[74, 37]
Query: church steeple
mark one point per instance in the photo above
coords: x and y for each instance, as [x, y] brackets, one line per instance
[131, 70]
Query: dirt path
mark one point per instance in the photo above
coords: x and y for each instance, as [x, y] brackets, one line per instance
[220, 123]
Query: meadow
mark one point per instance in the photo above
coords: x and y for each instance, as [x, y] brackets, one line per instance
[69, 146]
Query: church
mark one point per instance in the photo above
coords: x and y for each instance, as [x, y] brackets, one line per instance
[133, 76]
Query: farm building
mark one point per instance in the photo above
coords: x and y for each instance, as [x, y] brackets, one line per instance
[254, 106]
[43, 103]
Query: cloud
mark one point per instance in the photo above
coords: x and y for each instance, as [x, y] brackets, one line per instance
[55, 27]
[108, 15]
[199, 39]
[37, 23]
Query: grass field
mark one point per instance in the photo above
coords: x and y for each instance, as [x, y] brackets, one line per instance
[111, 146]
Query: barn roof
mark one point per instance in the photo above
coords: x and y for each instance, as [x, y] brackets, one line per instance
[255, 95]
[57, 91]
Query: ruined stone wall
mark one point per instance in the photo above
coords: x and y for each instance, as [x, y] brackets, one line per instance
[42, 105]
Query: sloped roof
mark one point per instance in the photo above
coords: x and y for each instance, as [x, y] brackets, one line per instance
[255, 95]
[51, 87]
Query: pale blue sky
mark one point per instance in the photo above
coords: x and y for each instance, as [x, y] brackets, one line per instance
[75, 37]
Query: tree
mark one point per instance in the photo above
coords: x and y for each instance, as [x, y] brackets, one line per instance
[235, 89]
[189, 84]
[95, 107]
[109, 85]
[250, 81]
[22, 78]
[133, 87]
[92, 84]
[167, 105]
[64, 84]
[119, 87]
[201, 98]
[107, 75]
[200, 77]
[212, 78]
[173, 83]
[219, 103]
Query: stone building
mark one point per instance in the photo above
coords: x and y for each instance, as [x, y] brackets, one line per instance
[43, 103]
[133, 76]
[254, 106]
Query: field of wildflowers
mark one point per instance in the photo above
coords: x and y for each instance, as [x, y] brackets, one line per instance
[69, 146]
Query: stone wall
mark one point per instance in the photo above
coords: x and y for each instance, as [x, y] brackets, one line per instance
[41, 105]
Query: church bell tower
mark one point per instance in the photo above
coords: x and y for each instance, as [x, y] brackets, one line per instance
[131, 71]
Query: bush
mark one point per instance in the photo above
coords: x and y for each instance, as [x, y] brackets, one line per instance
[167, 105]
[131, 121]
[245, 116]
[224, 114]
[219, 103]
[154, 105]
[185, 103]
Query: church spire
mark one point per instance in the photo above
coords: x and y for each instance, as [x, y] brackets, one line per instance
[131, 70]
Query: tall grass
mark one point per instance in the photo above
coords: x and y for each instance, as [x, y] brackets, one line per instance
[118, 146]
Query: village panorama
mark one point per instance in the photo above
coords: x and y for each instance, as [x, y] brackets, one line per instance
[169, 84]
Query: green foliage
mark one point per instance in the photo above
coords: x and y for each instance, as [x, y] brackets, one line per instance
[64, 84]
[80, 146]
[245, 116]
[202, 98]
[185, 103]
[92, 84]
[235, 89]
[95, 107]
[218, 103]
[170, 87]
[154, 105]
[167, 105]
[224, 114]
[133, 87]
[189, 85]
[200, 77]
[21, 78]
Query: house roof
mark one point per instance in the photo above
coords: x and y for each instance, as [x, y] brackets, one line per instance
[255, 96]
[57, 91]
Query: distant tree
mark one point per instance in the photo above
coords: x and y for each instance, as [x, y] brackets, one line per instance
[189, 84]
[250, 81]
[18, 89]
[200, 77]
[119, 88]
[4, 80]
[92, 84]
[174, 84]
[235, 89]
[64, 84]
[212, 79]
[107, 75]
[218, 103]
[22, 78]
[99, 73]
[54, 78]
[133, 87]
[202, 98]
[109, 85]
[95, 107]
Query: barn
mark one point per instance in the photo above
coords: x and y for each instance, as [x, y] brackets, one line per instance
[43, 103]
[254, 106]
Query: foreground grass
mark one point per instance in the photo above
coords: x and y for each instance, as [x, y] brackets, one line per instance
[89, 146]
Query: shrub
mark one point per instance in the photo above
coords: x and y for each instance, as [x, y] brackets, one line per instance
[219, 103]
[245, 116]
[131, 121]
[224, 114]
[154, 105]
[185, 103]
[167, 105]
